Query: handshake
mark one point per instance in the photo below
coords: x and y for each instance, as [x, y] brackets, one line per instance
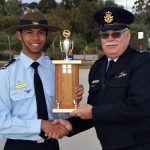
[59, 128]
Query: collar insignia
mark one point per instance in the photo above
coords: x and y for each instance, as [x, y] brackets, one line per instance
[108, 17]
[35, 23]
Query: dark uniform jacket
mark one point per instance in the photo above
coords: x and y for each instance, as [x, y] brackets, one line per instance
[121, 101]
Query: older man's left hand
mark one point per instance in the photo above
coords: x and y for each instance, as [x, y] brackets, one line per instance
[78, 93]
[84, 111]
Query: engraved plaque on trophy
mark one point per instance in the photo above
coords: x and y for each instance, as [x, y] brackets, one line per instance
[66, 78]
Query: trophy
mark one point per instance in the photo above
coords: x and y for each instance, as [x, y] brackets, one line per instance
[66, 78]
[66, 45]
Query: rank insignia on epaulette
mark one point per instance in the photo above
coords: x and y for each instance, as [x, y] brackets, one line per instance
[141, 51]
[6, 65]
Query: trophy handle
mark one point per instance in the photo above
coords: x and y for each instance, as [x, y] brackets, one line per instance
[75, 104]
[61, 42]
[72, 45]
[58, 102]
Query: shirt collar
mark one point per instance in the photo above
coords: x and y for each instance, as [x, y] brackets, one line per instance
[115, 60]
[27, 61]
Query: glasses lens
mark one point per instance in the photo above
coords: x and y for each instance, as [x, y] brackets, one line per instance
[104, 35]
[116, 34]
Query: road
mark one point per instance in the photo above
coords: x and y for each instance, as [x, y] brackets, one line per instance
[84, 141]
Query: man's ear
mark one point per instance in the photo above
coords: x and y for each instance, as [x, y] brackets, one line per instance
[129, 34]
[18, 35]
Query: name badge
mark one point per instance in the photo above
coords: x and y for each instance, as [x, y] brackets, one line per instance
[95, 81]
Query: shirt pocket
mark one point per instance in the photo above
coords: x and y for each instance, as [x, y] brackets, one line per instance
[119, 83]
[22, 93]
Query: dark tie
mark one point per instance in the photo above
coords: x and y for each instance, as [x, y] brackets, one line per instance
[40, 97]
[110, 67]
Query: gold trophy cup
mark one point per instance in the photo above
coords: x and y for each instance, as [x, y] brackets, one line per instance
[67, 44]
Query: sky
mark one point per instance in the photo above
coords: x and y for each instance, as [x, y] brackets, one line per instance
[126, 3]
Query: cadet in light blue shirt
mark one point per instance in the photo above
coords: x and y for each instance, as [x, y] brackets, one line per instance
[19, 122]
[18, 112]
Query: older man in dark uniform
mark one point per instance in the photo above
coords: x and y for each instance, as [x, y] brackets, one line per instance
[119, 88]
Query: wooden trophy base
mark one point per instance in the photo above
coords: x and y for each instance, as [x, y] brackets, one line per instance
[64, 109]
[55, 110]
[66, 79]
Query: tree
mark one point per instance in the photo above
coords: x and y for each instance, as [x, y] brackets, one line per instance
[82, 19]
[15, 10]
[79, 44]
[141, 6]
[2, 7]
[33, 5]
[142, 12]
[137, 43]
[68, 4]
[46, 5]
[109, 3]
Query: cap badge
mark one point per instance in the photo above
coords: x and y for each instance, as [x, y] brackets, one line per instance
[108, 17]
[35, 23]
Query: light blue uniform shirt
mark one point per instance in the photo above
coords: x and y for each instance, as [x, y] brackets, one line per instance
[18, 110]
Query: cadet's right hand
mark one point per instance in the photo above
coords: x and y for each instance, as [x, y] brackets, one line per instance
[64, 123]
[53, 129]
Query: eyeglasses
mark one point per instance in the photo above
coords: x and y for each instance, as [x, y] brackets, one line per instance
[115, 34]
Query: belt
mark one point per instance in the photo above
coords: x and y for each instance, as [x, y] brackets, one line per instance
[43, 140]
[37, 141]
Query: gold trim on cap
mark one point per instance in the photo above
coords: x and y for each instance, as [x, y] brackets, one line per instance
[108, 17]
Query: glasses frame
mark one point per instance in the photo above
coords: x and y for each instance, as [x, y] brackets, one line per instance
[114, 34]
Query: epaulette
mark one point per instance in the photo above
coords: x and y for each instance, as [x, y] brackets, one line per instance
[6, 65]
[101, 58]
[140, 50]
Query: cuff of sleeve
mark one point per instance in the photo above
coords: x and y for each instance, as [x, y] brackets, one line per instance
[94, 113]
[35, 125]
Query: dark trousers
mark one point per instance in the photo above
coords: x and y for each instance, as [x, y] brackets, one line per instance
[31, 145]
[135, 147]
